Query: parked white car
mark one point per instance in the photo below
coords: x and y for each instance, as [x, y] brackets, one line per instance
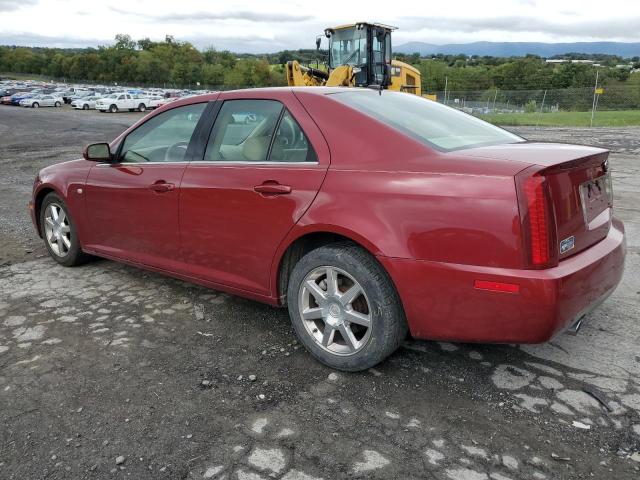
[42, 101]
[85, 103]
[156, 101]
[122, 101]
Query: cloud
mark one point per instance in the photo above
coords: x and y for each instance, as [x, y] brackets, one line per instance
[34, 40]
[233, 43]
[9, 5]
[210, 16]
[601, 29]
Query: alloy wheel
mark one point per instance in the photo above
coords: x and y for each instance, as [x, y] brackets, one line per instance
[57, 229]
[335, 310]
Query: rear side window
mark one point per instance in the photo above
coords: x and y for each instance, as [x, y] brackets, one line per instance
[290, 143]
[436, 125]
[243, 131]
[257, 131]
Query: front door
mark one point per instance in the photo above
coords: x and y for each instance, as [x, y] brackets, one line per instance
[263, 165]
[132, 203]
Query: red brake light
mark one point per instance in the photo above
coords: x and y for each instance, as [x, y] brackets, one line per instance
[537, 218]
[538, 221]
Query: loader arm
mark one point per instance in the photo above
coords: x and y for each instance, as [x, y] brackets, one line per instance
[301, 76]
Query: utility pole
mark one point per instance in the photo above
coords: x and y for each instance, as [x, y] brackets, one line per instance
[595, 96]
[446, 82]
[541, 107]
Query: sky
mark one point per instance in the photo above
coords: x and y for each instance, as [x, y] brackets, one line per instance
[269, 26]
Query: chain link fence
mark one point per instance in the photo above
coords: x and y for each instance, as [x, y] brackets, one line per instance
[480, 102]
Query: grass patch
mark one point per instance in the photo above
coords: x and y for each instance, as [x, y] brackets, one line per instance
[607, 118]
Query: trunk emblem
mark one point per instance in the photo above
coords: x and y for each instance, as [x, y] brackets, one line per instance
[567, 244]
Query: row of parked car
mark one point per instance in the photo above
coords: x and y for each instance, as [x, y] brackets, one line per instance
[81, 97]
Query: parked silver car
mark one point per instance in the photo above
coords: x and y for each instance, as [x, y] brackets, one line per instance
[85, 103]
[42, 101]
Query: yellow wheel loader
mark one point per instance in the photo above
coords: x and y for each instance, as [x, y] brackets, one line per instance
[359, 56]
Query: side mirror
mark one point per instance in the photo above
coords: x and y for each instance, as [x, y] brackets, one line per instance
[97, 152]
[318, 42]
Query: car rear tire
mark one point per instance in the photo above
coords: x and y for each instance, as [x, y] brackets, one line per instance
[35, 105]
[142, 107]
[59, 232]
[57, 104]
[354, 324]
[113, 109]
[85, 107]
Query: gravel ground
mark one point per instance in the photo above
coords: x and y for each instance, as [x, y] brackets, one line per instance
[107, 371]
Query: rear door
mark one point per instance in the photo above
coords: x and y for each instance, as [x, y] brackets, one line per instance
[261, 167]
[133, 203]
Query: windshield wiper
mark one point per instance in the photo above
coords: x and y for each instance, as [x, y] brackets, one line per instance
[346, 60]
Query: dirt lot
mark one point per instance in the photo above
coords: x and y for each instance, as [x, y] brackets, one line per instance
[106, 361]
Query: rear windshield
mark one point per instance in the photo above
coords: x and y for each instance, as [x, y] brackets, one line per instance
[439, 126]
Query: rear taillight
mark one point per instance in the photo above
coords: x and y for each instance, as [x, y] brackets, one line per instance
[537, 220]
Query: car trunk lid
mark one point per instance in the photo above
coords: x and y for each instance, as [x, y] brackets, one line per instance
[582, 201]
[578, 184]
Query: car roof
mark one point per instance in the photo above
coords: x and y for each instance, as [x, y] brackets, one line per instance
[307, 90]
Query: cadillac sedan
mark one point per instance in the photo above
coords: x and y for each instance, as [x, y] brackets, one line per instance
[369, 216]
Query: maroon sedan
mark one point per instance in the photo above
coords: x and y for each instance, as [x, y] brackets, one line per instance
[368, 215]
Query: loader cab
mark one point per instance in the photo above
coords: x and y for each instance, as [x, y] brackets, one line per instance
[364, 46]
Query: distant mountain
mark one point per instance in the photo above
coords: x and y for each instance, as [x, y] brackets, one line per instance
[520, 49]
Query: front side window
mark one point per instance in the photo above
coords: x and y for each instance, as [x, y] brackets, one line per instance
[164, 138]
[436, 125]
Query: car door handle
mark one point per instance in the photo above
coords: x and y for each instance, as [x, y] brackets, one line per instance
[161, 186]
[272, 188]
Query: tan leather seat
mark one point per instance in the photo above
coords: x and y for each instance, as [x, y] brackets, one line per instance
[255, 149]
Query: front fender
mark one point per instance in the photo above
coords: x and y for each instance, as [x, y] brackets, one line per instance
[67, 180]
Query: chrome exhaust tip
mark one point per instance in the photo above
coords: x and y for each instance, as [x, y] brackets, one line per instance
[575, 327]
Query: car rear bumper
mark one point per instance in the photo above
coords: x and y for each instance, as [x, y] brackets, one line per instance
[441, 302]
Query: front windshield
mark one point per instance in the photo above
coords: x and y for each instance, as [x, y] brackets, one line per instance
[348, 47]
[438, 126]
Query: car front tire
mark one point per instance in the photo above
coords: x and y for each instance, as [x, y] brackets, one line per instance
[344, 307]
[113, 109]
[59, 232]
[35, 105]
[142, 107]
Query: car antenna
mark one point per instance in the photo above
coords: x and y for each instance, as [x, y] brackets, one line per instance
[379, 88]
